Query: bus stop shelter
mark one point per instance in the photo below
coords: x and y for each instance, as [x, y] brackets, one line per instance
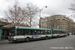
[1, 25]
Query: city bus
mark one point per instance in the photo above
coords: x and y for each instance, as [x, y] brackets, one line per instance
[27, 34]
[59, 32]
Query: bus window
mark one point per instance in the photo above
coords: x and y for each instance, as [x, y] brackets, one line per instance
[59, 32]
[12, 32]
[42, 32]
[45, 31]
[32, 32]
[48, 32]
[38, 32]
[56, 32]
[65, 32]
[27, 32]
[20, 32]
[62, 32]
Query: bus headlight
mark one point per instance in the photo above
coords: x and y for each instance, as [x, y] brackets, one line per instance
[14, 38]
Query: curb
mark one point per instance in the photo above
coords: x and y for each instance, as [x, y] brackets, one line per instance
[3, 41]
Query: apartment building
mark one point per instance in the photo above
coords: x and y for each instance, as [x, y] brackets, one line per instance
[57, 22]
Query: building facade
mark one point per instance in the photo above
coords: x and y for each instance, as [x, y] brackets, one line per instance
[57, 22]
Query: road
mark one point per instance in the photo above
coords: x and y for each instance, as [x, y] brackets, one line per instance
[63, 43]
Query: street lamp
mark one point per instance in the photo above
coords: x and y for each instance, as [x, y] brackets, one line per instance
[43, 7]
[40, 14]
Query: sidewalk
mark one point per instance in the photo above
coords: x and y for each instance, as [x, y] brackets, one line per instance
[3, 41]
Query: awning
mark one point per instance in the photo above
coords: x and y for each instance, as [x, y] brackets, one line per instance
[4, 23]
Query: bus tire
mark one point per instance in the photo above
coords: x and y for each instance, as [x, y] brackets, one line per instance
[46, 37]
[57, 36]
[27, 39]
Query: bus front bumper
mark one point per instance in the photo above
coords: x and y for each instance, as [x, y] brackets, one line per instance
[11, 39]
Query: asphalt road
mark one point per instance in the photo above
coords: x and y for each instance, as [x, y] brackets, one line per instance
[63, 43]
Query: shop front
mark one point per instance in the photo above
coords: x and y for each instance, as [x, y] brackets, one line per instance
[3, 32]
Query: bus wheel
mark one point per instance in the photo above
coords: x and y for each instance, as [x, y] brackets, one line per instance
[57, 36]
[27, 39]
[46, 38]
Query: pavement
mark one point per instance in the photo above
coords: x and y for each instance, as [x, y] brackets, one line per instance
[63, 43]
[4, 41]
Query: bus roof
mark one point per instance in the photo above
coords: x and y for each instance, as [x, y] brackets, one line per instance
[59, 30]
[31, 28]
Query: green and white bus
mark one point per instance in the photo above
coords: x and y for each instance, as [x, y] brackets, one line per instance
[59, 32]
[27, 34]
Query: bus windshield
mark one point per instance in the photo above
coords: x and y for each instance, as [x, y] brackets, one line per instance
[12, 33]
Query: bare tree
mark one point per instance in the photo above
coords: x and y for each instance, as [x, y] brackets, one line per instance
[31, 11]
[24, 15]
[73, 9]
[15, 14]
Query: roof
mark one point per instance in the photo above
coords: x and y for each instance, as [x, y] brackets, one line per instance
[4, 23]
[31, 28]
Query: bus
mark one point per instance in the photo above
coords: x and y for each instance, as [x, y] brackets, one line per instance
[59, 32]
[27, 34]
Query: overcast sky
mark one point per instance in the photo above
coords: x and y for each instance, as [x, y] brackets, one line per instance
[53, 6]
